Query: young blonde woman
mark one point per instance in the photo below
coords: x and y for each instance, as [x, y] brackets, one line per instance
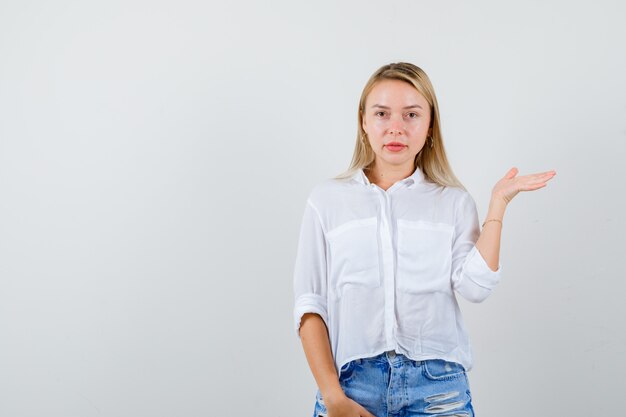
[383, 250]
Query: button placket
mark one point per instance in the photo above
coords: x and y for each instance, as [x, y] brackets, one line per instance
[387, 261]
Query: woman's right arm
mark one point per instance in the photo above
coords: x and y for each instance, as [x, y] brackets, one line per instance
[314, 337]
[311, 315]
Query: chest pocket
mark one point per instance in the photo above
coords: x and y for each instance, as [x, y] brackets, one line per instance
[424, 256]
[354, 253]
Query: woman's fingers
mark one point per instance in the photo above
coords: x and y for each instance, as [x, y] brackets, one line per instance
[535, 183]
[534, 179]
[546, 174]
[538, 178]
[365, 413]
[533, 187]
[509, 186]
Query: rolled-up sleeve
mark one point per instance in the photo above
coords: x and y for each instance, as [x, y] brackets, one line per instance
[471, 276]
[309, 280]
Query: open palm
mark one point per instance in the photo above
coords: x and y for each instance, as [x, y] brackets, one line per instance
[509, 186]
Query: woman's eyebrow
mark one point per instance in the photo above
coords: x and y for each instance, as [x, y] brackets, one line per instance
[380, 106]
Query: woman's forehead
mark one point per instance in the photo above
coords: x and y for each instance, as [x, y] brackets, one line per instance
[395, 94]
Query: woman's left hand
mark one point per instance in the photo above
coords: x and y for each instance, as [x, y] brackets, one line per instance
[509, 186]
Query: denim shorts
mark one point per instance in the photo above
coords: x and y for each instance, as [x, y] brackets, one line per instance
[390, 384]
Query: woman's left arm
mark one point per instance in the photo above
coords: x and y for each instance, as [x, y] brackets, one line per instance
[488, 243]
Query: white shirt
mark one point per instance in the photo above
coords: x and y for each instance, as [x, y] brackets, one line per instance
[381, 267]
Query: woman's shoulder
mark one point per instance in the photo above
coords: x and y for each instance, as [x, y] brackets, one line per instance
[459, 198]
[329, 191]
[452, 196]
[457, 193]
[454, 193]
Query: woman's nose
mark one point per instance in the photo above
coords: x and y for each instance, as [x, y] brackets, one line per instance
[396, 126]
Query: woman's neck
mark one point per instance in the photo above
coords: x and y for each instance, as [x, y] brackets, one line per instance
[386, 177]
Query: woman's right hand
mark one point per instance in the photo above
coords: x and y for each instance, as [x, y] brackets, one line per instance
[314, 336]
[344, 406]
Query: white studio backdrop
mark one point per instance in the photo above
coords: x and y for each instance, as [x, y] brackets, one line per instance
[155, 158]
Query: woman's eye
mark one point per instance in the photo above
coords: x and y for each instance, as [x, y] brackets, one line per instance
[380, 113]
[412, 115]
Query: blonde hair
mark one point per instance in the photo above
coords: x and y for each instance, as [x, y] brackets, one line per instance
[432, 161]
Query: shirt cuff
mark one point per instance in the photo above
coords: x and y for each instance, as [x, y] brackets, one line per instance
[309, 303]
[476, 279]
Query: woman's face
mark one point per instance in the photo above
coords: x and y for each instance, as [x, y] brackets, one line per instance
[396, 113]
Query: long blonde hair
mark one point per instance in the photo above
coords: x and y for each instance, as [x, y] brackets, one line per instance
[432, 160]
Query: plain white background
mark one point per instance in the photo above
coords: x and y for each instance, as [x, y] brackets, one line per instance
[155, 158]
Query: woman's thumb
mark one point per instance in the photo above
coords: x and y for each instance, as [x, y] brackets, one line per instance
[512, 172]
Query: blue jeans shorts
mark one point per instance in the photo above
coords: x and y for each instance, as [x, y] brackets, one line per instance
[390, 384]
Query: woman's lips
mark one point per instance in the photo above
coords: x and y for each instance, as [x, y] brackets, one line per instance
[395, 148]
